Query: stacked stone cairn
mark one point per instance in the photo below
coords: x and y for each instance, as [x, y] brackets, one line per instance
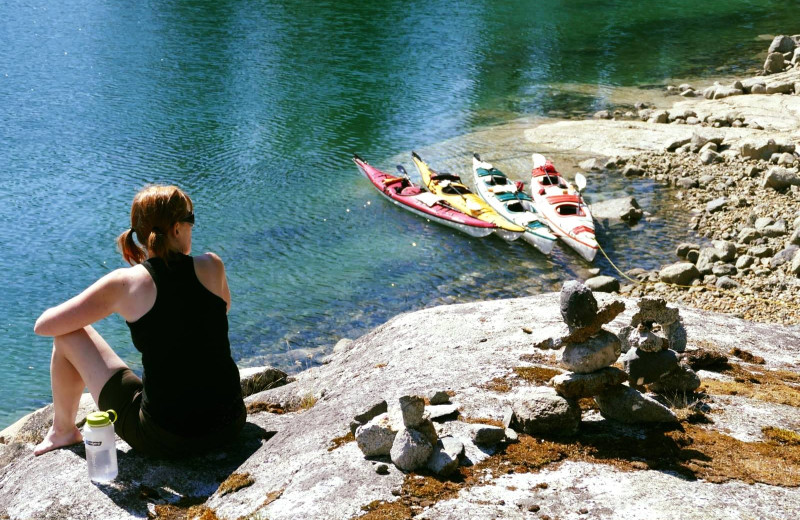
[590, 351]
[408, 437]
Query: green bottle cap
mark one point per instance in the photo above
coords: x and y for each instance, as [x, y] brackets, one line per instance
[98, 419]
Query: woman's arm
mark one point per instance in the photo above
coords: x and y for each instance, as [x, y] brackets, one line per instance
[92, 305]
[211, 273]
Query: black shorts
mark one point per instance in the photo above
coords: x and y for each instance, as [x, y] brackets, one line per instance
[123, 394]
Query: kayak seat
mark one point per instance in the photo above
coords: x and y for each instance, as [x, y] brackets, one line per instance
[410, 190]
[445, 177]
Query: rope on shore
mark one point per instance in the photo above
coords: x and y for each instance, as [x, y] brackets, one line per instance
[710, 287]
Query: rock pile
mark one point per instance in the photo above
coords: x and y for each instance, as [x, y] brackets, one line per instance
[651, 344]
[590, 351]
[406, 434]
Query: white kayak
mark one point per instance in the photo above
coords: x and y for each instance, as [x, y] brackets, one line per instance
[562, 207]
[509, 201]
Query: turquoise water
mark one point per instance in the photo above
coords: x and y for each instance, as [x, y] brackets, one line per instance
[255, 107]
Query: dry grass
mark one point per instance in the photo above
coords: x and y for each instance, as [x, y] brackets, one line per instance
[339, 441]
[688, 450]
[758, 383]
[781, 436]
[234, 483]
[483, 420]
[171, 512]
[498, 384]
[306, 402]
[261, 406]
[536, 375]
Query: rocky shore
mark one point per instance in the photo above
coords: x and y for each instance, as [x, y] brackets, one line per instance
[731, 444]
[733, 154]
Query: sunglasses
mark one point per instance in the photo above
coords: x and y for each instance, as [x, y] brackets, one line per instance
[188, 218]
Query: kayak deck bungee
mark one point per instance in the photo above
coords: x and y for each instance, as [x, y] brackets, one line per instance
[450, 188]
[509, 201]
[409, 196]
[562, 208]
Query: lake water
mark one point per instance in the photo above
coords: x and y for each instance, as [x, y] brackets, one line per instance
[254, 108]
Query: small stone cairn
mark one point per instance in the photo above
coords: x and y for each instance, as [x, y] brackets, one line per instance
[408, 436]
[649, 343]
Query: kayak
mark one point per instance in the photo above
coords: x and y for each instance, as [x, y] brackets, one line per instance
[510, 202]
[409, 196]
[450, 188]
[562, 208]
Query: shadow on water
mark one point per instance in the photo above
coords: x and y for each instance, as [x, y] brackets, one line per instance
[183, 483]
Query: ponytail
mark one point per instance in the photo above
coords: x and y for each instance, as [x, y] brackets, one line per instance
[132, 253]
[157, 243]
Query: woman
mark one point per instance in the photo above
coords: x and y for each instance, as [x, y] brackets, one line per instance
[189, 398]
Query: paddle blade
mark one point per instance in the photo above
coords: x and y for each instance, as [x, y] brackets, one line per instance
[580, 181]
[402, 170]
[538, 160]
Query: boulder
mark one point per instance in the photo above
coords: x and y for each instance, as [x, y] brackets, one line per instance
[758, 88]
[759, 148]
[593, 164]
[597, 352]
[709, 156]
[795, 238]
[575, 386]
[623, 208]
[681, 273]
[644, 368]
[578, 305]
[542, 411]
[676, 335]
[605, 284]
[727, 91]
[367, 415]
[487, 434]
[258, 379]
[439, 397]
[428, 430]
[446, 456]
[782, 44]
[645, 340]
[442, 412]
[716, 205]
[410, 450]
[774, 63]
[780, 179]
[726, 282]
[727, 250]
[777, 229]
[761, 251]
[744, 261]
[747, 235]
[412, 407]
[723, 270]
[794, 268]
[626, 405]
[680, 379]
[780, 87]
[783, 257]
[376, 437]
[684, 247]
[706, 259]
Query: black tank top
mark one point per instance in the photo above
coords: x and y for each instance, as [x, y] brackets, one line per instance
[191, 384]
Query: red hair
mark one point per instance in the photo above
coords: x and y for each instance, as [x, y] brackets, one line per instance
[154, 211]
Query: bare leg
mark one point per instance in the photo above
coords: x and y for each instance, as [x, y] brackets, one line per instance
[81, 358]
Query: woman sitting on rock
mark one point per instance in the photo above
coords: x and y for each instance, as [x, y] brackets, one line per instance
[175, 305]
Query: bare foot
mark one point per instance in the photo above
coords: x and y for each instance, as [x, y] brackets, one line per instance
[54, 440]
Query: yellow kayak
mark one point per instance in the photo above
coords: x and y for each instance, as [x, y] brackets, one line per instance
[450, 188]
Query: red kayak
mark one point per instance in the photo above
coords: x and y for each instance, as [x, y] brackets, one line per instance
[412, 197]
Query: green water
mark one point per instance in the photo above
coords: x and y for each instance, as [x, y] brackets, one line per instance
[255, 107]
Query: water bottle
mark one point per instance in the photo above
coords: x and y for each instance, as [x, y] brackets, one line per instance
[101, 450]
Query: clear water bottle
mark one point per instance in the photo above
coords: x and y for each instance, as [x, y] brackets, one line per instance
[101, 449]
